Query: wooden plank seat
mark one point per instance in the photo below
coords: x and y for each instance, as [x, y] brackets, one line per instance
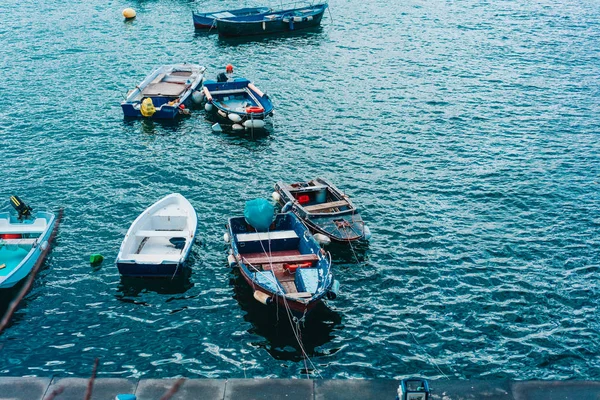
[17, 242]
[265, 259]
[38, 226]
[228, 91]
[300, 295]
[148, 233]
[326, 206]
[275, 235]
[164, 89]
[306, 188]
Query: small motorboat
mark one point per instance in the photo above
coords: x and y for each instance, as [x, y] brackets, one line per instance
[24, 241]
[165, 93]
[207, 20]
[272, 22]
[160, 239]
[280, 259]
[323, 208]
[237, 102]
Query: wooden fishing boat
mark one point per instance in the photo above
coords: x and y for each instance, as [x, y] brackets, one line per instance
[160, 239]
[284, 265]
[274, 22]
[323, 208]
[165, 93]
[238, 102]
[207, 20]
[24, 241]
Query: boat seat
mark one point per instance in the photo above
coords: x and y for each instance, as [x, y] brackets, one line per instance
[300, 295]
[325, 206]
[251, 237]
[18, 242]
[38, 226]
[158, 78]
[306, 188]
[307, 279]
[268, 280]
[150, 233]
[299, 258]
[228, 91]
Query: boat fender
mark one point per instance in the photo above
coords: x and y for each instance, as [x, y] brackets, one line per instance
[222, 113]
[333, 291]
[231, 261]
[234, 117]
[276, 197]
[147, 108]
[322, 239]
[208, 107]
[297, 19]
[254, 123]
[367, 232]
[309, 18]
[287, 206]
[262, 298]
[44, 246]
[217, 128]
[264, 25]
[197, 97]
[237, 127]
[226, 237]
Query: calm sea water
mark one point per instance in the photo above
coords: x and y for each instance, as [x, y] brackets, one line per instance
[466, 131]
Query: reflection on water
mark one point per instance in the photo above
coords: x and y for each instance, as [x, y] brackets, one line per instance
[278, 329]
[133, 287]
[301, 37]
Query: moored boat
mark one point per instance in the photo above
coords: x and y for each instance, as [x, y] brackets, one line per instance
[165, 93]
[24, 241]
[323, 208]
[207, 20]
[238, 102]
[282, 263]
[160, 239]
[273, 22]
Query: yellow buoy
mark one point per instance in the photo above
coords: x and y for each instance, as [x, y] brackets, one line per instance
[147, 108]
[129, 13]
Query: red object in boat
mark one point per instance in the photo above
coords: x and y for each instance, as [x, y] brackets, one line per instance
[11, 236]
[291, 268]
[254, 109]
[303, 199]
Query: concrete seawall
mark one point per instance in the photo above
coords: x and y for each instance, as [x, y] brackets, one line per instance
[17, 388]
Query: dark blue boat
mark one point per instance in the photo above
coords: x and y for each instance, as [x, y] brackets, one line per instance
[165, 93]
[274, 22]
[207, 20]
[324, 209]
[237, 102]
[283, 264]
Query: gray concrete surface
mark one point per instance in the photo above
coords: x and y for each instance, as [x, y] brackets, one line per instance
[26, 388]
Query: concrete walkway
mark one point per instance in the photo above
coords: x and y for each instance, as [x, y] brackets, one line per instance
[293, 389]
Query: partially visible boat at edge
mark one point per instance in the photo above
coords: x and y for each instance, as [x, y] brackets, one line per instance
[165, 93]
[323, 208]
[24, 241]
[238, 102]
[274, 22]
[207, 20]
[284, 265]
[160, 239]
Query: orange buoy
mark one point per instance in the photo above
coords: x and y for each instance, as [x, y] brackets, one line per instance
[255, 109]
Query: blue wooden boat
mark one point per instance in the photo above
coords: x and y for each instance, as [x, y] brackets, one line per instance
[160, 239]
[274, 22]
[323, 208]
[207, 20]
[24, 242]
[165, 93]
[238, 102]
[283, 264]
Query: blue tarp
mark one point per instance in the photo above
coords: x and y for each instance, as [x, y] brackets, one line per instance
[259, 214]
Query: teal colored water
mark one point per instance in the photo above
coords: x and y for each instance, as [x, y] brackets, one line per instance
[467, 132]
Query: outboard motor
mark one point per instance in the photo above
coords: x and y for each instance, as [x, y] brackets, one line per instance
[413, 389]
[23, 209]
